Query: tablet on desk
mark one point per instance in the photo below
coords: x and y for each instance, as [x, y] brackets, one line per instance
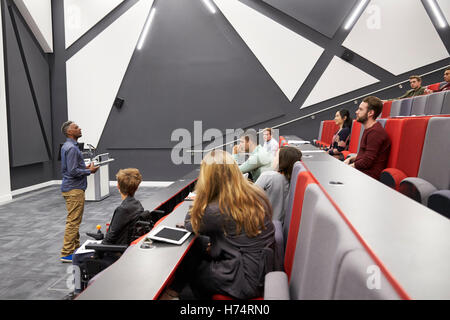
[170, 234]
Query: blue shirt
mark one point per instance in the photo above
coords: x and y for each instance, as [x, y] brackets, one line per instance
[73, 168]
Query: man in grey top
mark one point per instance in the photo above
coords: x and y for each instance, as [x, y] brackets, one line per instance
[74, 183]
[259, 159]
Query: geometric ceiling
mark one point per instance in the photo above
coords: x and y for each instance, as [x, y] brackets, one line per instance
[396, 35]
[325, 16]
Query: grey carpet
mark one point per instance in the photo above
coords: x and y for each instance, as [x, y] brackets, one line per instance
[31, 237]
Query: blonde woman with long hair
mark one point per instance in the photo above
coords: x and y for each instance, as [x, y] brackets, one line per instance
[233, 217]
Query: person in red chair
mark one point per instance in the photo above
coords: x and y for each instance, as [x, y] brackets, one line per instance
[235, 217]
[375, 146]
[445, 86]
[342, 137]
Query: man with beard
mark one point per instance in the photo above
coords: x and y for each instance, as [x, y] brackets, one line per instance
[259, 159]
[375, 145]
[445, 86]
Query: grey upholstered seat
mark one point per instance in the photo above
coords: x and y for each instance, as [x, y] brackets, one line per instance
[405, 107]
[418, 105]
[282, 228]
[434, 103]
[360, 278]
[298, 167]
[434, 170]
[395, 108]
[446, 103]
[324, 242]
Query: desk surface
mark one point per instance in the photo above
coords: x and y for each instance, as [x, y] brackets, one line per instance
[141, 273]
[159, 198]
[412, 241]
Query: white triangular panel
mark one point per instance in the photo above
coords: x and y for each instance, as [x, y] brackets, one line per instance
[339, 78]
[396, 35]
[445, 8]
[38, 15]
[286, 56]
[82, 15]
[94, 74]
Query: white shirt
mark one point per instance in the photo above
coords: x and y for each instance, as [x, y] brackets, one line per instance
[271, 146]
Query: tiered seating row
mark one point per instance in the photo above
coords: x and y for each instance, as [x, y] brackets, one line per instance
[432, 104]
[326, 132]
[325, 258]
[418, 164]
[411, 171]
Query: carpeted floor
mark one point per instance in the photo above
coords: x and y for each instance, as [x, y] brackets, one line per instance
[31, 237]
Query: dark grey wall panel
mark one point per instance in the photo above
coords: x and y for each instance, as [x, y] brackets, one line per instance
[154, 164]
[193, 66]
[39, 70]
[325, 16]
[26, 141]
[25, 176]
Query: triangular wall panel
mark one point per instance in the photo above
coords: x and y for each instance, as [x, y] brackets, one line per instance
[81, 15]
[27, 144]
[339, 78]
[94, 74]
[38, 15]
[40, 75]
[287, 56]
[397, 36]
[192, 67]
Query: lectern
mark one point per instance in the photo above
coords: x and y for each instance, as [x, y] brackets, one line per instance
[98, 183]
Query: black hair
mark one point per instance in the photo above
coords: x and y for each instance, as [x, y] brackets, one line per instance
[348, 120]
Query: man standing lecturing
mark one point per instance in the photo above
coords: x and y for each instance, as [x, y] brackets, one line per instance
[74, 183]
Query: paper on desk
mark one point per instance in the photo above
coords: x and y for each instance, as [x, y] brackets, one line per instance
[83, 249]
[299, 141]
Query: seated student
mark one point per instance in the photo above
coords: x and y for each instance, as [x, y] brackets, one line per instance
[445, 86]
[270, 144]
[341, 138]
[128, 181]
[375, 144]
[415, 82]
[236, 218]
[276, 183]
[259, 160]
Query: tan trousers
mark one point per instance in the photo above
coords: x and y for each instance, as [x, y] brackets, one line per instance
[75, 207]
